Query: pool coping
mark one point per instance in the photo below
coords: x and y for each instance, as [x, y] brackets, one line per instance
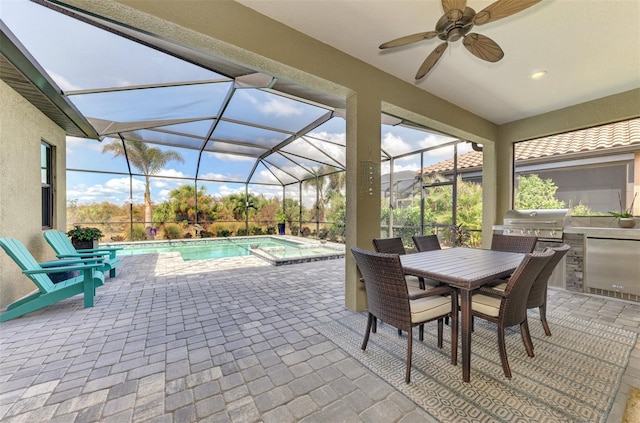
[279, 261]
[257, 251]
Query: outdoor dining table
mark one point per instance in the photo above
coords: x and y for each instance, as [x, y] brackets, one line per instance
[465, 269]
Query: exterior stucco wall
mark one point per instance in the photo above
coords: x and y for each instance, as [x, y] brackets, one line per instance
[22, 128]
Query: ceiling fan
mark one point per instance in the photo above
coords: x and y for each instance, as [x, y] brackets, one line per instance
[457, 21]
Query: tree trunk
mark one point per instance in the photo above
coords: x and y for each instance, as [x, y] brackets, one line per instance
[148, 212]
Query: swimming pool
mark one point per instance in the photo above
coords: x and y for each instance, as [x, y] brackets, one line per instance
[276, 250]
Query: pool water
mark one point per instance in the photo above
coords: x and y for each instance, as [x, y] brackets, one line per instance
[273, 249]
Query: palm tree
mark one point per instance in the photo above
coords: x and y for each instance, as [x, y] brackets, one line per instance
[149, 160]
[328, 186]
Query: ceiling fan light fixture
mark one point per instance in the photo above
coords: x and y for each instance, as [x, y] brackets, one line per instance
[538, 75]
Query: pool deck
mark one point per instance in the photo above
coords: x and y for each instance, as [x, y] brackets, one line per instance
[227, 340]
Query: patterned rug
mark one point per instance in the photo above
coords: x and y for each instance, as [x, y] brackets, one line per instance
[573, 377]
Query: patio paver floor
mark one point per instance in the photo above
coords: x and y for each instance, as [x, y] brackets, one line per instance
[174, 341]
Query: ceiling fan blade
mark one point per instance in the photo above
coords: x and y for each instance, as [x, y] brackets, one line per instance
[454, 8]
[431, 60]
[408, 39]
[483, 47]
[448, 5]
[501, 9]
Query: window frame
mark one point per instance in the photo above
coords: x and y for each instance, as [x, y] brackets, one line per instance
[47, 174]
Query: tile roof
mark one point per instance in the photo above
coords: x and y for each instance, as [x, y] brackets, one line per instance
[619, 134]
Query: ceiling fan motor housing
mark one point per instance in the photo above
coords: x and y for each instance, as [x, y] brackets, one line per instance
[454, 25]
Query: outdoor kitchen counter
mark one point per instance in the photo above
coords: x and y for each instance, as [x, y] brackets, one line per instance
[617, 233]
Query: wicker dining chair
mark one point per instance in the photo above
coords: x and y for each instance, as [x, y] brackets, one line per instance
[513, 243]
[388, 299]
[395, 246]
[426, 242]
[509, 307]
[538, 293]
[389, 245]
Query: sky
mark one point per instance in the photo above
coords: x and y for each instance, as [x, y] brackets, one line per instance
[80, 57]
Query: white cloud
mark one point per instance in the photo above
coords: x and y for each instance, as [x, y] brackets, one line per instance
[219, 176]
[162, 195]
[339, 138]
[276, 106]
[170, 172]
[306, 147]
[115, 191]
[279, 107]
[393, 144]
[384, 167]
[266, 190]
[159, 183]
[62, 82]
[225, 190]
[231, 157]
[265, 176]
[74, 143]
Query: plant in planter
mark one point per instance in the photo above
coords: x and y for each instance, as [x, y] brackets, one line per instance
[625, 216]
[84, 238]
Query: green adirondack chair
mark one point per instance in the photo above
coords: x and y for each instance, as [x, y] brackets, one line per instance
[64, 249]
[49, 293]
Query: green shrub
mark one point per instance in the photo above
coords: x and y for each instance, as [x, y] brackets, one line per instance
[223, 233]
[172, 231]
[206, 234]
[306, 231]
[295, 230]
[241, 232]
[139, 233]
[271, 230]
[256, 230]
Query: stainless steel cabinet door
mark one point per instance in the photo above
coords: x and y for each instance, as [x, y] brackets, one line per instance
[613, 264]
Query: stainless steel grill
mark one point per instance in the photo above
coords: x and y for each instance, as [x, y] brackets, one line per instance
[547, 225]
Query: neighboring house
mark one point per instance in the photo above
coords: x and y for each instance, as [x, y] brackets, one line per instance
[590, 166]
[405, 185]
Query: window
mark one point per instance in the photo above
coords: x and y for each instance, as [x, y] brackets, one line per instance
[46, 181]
[590, 171]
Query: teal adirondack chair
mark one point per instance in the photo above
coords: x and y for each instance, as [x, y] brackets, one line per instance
[49, 293]
[64, 249]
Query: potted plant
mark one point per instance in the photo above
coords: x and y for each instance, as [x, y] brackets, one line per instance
[281, 218]
[625, 216]
[84, 238]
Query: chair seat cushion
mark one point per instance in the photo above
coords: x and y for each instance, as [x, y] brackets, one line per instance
[415, 281]
[500, 287]
[412, 281]
[414, 290]
[486, 304]
[424, 309]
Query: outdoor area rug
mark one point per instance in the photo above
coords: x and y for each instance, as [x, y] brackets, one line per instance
[573, 377]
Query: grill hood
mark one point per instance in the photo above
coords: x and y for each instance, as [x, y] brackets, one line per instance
[545, 224]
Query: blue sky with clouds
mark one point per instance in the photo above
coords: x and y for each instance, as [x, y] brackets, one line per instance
[79, 57]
